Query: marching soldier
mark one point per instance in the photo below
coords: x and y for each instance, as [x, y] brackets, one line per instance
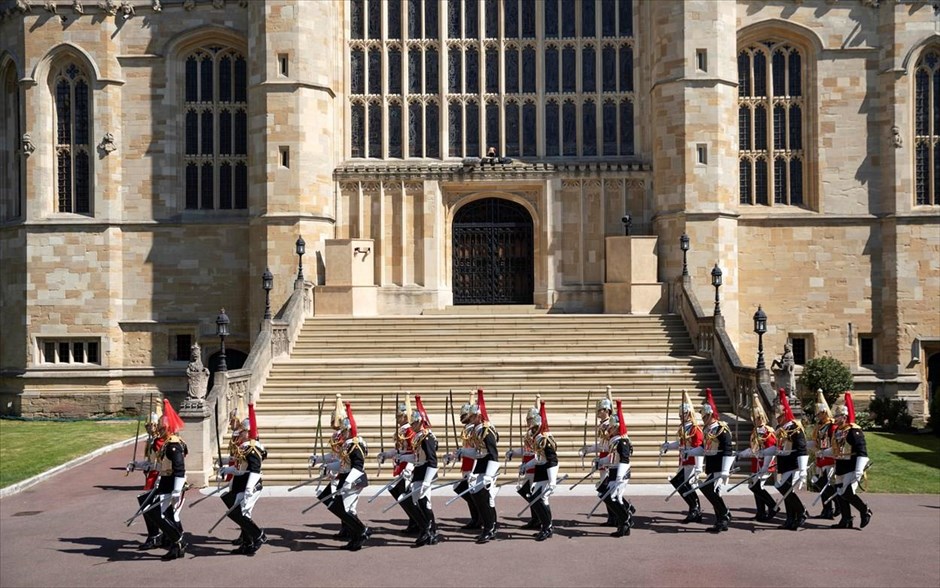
[544, 466]
[483, 449]
[247, 454]
[403, 465]
[467, 464]
[851, 456]
[424, 457]
[617, 463]
[527, 452]
[792, 461]
[346, 464]
[604, 409]
[716, 447]
[690, 466]
[171, 487]
[151, 469]
[825, 463]
[762, 467]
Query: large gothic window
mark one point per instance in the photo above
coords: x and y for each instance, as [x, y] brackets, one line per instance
[72, 94]
[927, 128]
[11, 132]
[503, 68]
[216, 129]
[771, 164]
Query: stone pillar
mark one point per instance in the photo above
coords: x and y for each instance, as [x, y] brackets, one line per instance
[630, 285]
[197, 433]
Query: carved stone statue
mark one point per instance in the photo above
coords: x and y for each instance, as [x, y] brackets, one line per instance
[896, 137]
[27, 145]
[784, 368]
[197, 374]
[107, 143]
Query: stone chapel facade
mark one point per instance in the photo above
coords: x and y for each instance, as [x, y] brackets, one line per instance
[157, 157]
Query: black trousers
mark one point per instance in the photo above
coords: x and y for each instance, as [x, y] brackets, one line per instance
[468, 498]
[249, 529]
[335, 505]
[765, 502]
[487, 512]
[849, 497]
[406, 505]
[717, 502]
[792, 502]
[678, 481]
[152, 516]
[172, 529]
[541, 511]
[830, 489]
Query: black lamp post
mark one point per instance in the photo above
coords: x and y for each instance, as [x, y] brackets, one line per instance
[760, 327]
[627, 220]
[221, 329]
[267, 282]
[684, 245]
[716, 282]
[301, 248]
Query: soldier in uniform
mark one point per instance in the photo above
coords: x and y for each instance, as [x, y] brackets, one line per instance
[424, 457]
[716, 448]
[825, 463]
[544, 467]
[247, 454]
[617, 464]
[484, 450]
[792, 462]
[762, 467]
[151, 468]
[403, 465]
[851, 456]
[171, 487]
[346, 463]
[690, 466]
[467, 464]
[604, 409]
[527, 452]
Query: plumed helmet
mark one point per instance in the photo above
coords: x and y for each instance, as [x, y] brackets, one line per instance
[782, 408]
[543, 418]
[404, 408]
[757, 410]
[351, 422]
[846, 408]
[606, 403]
[171, 421]
[339, 419]
[821, 404]
[419, 414]
[708, 407]
[157, 413]
[685, 407]
[533, 414]
[252, 422]
[621, 424]
[481, 406]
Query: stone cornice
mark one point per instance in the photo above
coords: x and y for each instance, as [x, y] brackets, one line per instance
[473, 169]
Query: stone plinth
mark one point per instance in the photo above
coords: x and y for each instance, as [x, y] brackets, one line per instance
[631, 286]
[197, 433]
[350, 279]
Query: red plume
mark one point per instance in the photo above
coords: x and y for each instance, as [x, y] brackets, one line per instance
[850, 406]
[424, 413]
[544, 428]
[252, 422]
[353, 430]
[622, 424]
[482, 405]
[173, 421]
[711, 403]
[787, 412]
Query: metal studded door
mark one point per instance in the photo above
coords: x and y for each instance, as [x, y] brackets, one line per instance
[492, 253]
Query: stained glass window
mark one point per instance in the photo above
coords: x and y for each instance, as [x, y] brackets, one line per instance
[513, 129]
[492, 71]
[589, 129]
[568, 69]
[394, 130]
[551, 69]
[927, 128]
[551, 128]
[431, 78]
[432, 130]
[588, 69]
[455, 127]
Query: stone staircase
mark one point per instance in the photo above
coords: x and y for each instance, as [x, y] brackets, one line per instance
[567, 359]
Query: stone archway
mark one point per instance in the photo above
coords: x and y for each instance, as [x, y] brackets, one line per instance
[492, 253]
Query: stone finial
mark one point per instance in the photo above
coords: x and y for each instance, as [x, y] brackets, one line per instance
[896, 137]
[26, 145]
[107, 144]
[197, 374]
[109, 6]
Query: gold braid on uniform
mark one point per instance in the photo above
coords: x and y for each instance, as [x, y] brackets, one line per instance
[683, 436]
[839, 446]
[242, 454]
[758, 441]
[418, 439]
[721, 428]
[542, 443]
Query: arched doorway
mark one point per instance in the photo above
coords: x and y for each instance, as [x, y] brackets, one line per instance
[492, 259]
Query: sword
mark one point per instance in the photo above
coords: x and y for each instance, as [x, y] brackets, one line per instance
[589, 474]
[821, 492]
[711, 480]
[659, 462]
[476, 486]
[306, 483]
[318, 442]
[548, 492]
[143, 506]
[137, 436]
[237, 504]
[378, 471]
[338, 493]
[213, 493]
[746, 480]
[587, 409]
[684, 482]
[839, 493]
[512, 406]
[401, 498]
[446, 485]
[610, 489]
[391, 484]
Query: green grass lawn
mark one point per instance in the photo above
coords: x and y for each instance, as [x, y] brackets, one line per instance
[28, 448]
[903, 464]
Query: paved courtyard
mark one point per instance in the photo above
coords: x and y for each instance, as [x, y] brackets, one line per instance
[69, 531]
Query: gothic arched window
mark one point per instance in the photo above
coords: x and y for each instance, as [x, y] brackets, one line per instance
[927, 128]
[589, 128]
[11, 132]
[73, 136]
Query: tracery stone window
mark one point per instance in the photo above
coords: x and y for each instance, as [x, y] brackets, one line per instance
[927, 128]
[216, 129]
[770, 124]
[11, 132]
[480, 64]
[72, 95]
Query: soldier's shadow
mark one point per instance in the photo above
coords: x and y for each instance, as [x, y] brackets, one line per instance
[109, 549]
